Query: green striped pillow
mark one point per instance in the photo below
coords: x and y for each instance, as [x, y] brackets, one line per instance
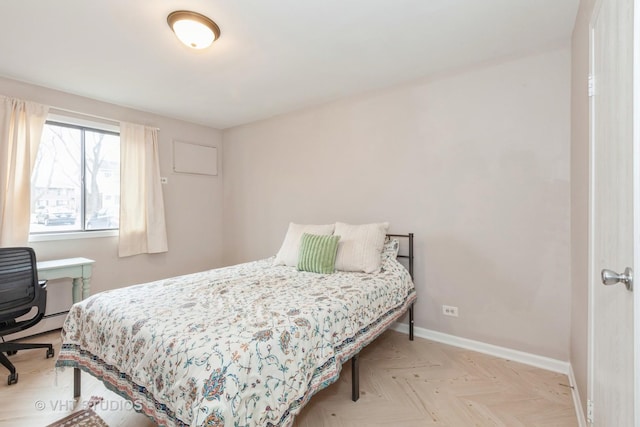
[318, 253]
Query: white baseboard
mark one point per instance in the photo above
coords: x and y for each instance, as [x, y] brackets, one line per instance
[542, 362]
[577, 402]
[45, 325]
[547, 363]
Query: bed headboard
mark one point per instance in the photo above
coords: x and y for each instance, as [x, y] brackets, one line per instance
[409, 255]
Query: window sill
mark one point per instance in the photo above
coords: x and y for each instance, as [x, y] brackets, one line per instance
[48, 237]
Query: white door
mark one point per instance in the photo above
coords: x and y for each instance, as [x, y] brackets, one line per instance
[611, 364]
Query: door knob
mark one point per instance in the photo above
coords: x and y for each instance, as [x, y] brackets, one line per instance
[610, 277]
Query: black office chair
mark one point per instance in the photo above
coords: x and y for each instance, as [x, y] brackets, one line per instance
[20, 291]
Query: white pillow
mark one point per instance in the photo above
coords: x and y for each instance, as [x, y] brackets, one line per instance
[360, 246]
[288, 253]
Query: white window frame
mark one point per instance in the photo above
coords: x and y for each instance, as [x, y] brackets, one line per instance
[97, 124]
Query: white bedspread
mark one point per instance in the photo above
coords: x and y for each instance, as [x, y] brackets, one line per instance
[246, 345]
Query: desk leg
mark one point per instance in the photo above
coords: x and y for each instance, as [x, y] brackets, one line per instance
[86, 286]
[76, 382]
[77, 295]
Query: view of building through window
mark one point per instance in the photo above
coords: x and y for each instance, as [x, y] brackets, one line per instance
[75, 185]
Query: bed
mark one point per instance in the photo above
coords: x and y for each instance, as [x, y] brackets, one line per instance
[245, 345]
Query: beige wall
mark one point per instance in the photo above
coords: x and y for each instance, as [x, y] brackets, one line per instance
[580, 197]
[192, 203]
[476, 164]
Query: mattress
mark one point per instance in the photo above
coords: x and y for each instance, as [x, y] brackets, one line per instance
[246, 345]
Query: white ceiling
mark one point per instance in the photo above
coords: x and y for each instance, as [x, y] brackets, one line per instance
[272, 57]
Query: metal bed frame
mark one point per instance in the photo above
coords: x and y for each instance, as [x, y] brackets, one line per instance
[355, 360]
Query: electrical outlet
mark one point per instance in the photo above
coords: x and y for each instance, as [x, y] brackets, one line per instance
[449, 310]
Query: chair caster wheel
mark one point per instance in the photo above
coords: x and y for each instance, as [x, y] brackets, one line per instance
[11, 352]
[13, 378]
[50, 353]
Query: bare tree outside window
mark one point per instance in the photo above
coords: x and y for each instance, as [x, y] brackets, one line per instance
[75, 184]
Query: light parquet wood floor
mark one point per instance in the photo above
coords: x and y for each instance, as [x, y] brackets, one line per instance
[402, 383]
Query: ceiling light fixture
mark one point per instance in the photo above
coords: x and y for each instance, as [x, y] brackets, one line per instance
[193, 29]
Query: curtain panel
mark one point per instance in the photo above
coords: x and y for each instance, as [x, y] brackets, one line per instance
[21, 124]
[142, 221]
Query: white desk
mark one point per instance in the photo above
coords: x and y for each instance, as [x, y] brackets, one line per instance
[78, 269]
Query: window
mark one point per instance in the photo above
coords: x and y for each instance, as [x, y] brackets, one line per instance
[75, 185]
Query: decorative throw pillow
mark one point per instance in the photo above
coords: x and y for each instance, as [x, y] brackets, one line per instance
[288, 253]
[390, 249]
[318, 253]
[360, 246]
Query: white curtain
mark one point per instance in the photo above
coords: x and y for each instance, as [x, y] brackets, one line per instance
[21, 124]
[142, 225]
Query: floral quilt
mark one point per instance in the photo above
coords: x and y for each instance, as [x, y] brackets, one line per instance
[246, 345]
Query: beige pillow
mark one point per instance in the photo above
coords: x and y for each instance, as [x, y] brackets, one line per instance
[288, 253]
[360, 246]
